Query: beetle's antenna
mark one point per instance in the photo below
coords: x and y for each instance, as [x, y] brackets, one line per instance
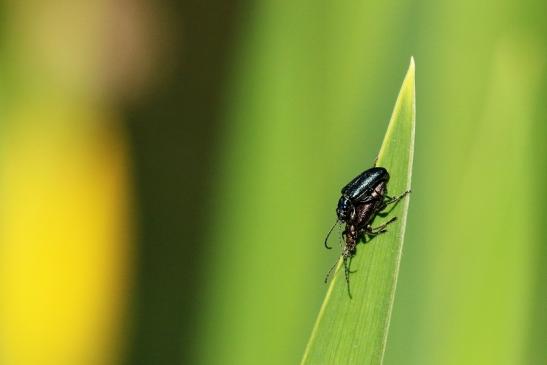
[330, 270]
[328, 234]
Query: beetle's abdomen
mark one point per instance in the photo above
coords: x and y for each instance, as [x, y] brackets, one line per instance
[365, 213]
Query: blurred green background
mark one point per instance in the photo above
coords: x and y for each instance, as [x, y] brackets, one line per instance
[168, 171]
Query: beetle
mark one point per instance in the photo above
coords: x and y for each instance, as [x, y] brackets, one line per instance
[359, 191]
[363, 198]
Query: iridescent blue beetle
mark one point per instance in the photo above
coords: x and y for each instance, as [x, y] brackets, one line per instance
[359, 191]
[363, 198]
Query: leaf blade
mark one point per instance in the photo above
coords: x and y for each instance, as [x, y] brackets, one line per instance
[355, 331]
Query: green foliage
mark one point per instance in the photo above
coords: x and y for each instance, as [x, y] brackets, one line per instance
[354, 331]
[477, 241]
[308, 97]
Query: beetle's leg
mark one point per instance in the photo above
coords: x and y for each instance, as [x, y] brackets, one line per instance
[352, 253]
[390, 200]
[347, 263]
[375, 161]
[380, 229]
[395, 199]
[373, 233]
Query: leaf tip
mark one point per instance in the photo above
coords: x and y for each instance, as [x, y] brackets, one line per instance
[409, 82]
[411, 70]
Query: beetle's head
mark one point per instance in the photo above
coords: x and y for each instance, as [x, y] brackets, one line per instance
[345, 210]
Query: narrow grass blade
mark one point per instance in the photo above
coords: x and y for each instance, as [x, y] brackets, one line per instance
[354, 331]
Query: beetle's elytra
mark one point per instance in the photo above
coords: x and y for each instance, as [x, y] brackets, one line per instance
[363, 198]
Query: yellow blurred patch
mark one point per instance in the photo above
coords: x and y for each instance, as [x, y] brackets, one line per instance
[64, 238]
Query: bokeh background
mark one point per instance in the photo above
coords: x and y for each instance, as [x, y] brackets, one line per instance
[168, 171]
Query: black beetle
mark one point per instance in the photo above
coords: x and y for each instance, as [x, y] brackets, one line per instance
[363, 198]
[359, 191]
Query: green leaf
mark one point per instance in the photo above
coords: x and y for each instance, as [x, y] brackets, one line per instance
[354, 331]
